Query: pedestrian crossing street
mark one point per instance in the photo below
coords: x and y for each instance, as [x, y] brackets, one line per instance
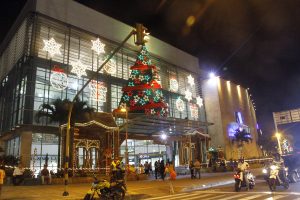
[215, 195]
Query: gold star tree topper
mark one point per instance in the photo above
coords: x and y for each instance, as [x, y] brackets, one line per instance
[98, 46]
[52, 47]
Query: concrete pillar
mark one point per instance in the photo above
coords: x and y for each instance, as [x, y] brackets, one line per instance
[25, 148]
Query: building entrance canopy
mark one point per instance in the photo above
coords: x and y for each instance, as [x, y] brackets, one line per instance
[147, 125]
[96, 124]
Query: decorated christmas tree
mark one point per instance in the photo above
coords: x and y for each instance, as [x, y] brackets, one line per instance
[143, 93]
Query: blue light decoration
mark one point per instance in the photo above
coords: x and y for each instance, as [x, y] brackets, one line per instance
[231, 128]
[238, 126]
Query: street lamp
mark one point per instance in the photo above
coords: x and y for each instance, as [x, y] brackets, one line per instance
[125, 110]
[278, 135]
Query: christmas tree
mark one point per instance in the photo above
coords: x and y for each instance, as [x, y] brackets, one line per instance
[143, 93]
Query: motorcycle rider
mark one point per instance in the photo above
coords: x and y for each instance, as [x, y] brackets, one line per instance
[243, 167]
[117, 171]
[278, 161]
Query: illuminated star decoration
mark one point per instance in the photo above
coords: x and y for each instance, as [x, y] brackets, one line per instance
[78, 68]
[52, 47]
[188, 95]
[98, 46]
[191, 80]
[199, 101]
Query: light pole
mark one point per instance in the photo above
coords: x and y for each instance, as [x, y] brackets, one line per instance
[278, 135]
[140, 32]
[67, 149]
[126, 144]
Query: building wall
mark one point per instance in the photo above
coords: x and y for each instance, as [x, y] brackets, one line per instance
[213, 111]
[222, 100]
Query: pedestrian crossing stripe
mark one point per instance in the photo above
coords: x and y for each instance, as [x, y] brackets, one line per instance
[229, 196]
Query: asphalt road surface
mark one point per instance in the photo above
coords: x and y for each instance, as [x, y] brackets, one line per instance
[260, 192]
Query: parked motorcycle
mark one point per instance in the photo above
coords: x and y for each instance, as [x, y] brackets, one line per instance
[240, 182]
[106, 190]
[274, 173]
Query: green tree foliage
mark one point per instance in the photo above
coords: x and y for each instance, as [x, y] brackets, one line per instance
[57, 111]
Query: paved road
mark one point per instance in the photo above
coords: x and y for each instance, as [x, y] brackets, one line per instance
[260, 192]
[184, 188]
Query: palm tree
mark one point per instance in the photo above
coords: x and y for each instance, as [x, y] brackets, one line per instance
[58, 110]
[241, 136]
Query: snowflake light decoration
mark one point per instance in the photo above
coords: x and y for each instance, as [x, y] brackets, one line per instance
[179, 104]
[191, 80]
[174, 85]
[199, 101]
[52, 47]
[78, 68]
[98, 46]
[188, 95]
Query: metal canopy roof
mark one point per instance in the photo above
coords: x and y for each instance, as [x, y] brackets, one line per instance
[141, 124]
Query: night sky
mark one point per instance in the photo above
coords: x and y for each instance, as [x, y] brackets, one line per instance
[255, 43]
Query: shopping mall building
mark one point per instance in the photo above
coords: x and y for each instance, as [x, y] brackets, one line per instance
[38, 61]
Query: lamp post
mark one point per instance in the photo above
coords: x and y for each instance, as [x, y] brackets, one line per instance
[278, 135]
[67, 147]
[126, 144]
[140, 32]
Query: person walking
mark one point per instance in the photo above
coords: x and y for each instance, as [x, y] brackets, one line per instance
[156, 168]
[191, 166]
[45, 175]
[197, 167]
[162, 169]
[18, 175]
[150, 168]
[2, 176]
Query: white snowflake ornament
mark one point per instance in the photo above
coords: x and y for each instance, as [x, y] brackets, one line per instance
[191, 80]
[188, 95]
[98, 46]
[52, 47]
[199, 101]
[78, 68]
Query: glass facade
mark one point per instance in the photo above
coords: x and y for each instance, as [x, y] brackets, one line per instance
[141, 151]
[26, 71]
[44, 149]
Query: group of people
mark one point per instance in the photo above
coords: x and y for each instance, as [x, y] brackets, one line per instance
[195, 168]
[163, 170]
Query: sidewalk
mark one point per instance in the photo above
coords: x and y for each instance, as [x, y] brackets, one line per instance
[136, 189]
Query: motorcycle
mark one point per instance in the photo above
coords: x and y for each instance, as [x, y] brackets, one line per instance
[294, 175]
[240, 182]
[274, 173]
[106, 190]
